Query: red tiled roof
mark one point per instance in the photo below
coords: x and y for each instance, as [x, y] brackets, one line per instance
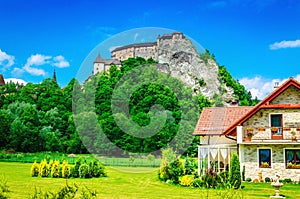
[214, 121]
[265, 103]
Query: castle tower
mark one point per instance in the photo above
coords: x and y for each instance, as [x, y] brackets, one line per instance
[2, 82]
[54, 76]
[99, 64]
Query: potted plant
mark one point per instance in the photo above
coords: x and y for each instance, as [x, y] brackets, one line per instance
[294, 137]
[274, 128]
[249, 136]
[249, 129]
[261, 128]
[289, 165]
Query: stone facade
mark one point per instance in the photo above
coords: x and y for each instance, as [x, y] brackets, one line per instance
[262, 138]
[145, 50]
[289, 96]
[249, 159]
[290, 120]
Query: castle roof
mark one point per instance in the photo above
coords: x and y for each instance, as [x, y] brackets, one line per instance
[99, 59]
[137, 45]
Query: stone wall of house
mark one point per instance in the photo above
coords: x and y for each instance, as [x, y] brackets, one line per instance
[250, 160]
[290, 117]
[289, 96]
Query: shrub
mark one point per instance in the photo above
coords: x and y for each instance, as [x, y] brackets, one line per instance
[55, 169]
[186, 180]
[78, 162]
[224, 179]
[243, 173]
[190, 166]
[34, 171]
[97, 169]
[267, 179]
[168, 156]
[44, 168]
[3, 188]
[66, 170]
[235, 174]
[210, 179]
[287, 180]
[176, 169]
[84, 171]
[248, 179]
[197, 182]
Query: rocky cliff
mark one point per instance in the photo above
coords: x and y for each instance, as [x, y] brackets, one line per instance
[180, 59]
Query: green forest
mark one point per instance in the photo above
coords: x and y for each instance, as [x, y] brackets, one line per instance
[98, 118]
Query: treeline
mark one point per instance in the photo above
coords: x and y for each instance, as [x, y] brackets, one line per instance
[108, 115]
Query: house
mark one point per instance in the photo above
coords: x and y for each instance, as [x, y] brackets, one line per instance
[266, 136]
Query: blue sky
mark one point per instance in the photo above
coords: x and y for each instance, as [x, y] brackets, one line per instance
[257, 41]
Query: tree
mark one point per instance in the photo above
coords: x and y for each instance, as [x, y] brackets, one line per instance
[5, 123]
[235, 174]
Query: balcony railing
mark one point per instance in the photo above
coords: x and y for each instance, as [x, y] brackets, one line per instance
[269, 135]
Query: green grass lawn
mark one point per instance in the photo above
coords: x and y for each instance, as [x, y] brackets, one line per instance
[126, 182]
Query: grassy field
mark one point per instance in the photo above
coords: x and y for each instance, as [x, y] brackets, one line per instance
[129, 182]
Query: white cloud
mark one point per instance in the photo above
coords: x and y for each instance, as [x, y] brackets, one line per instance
[36, 60]
[17, 72]
[60, 62]
[260, 87]
[6, 60]
[15, 80]
[135, 37]
[285, 44]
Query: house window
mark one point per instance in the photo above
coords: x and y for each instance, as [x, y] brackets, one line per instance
[276, 126]
[264, 158]
[292, 158]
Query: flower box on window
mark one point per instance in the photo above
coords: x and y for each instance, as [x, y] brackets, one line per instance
[264, 165]
[292, 166]
[274, 128]
[286, 128]
[261, 128]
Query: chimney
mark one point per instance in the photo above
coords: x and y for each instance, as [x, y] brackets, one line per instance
[276, 84]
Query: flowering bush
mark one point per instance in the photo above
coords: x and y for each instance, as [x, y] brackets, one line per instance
[186, 180]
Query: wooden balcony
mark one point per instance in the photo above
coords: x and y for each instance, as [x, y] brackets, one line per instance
[272, 135]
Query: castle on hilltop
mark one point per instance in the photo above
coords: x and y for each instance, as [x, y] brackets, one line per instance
[145, 50]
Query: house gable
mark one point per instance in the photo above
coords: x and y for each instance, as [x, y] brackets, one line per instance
[289, 96]
[282, 97]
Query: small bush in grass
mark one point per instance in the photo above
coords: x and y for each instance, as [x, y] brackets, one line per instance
[248, 179]
[84, 171]
[34, 171]
[55, 169]
[224, 179]
[197, 182]
[235, 174]
[66, 170]
[287, 180]
[211, 179]
[44, 168]
[186, 180]
[78, 162]
[97, 169]
[50, 165]
[4, 189]
[267, 179]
